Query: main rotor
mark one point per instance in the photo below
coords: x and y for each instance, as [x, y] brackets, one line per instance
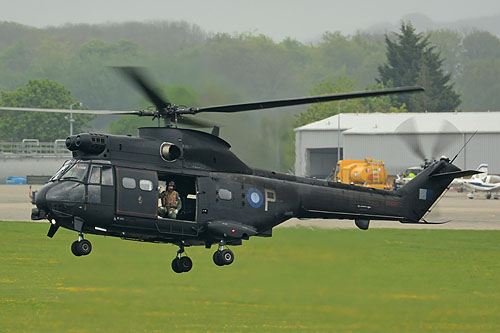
[172, 114]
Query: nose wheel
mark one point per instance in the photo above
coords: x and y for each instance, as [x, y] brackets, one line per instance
[81, 247]
[181, 263]
[223, 256]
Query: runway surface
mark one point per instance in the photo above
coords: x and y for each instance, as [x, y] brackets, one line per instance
[476, 214]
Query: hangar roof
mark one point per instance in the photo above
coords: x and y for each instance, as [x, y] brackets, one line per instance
[427, 122]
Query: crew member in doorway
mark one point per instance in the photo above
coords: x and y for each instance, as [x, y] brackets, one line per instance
[171, 202]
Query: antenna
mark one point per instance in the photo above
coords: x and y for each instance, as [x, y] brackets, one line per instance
[463, 147]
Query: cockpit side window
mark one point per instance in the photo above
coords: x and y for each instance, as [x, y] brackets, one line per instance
[95, 175]
[107, 176]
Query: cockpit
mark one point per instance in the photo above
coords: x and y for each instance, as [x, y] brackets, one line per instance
[72, 169]
[76, 183]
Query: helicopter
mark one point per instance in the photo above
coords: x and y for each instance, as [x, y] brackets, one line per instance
[110, 186]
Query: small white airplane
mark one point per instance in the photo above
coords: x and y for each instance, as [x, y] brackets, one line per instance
[481, 182]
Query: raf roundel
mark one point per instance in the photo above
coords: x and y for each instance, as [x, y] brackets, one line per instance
[255, 198]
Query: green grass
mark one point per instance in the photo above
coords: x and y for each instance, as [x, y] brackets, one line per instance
[299, 280]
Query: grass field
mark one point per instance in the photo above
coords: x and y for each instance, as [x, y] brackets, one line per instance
[299, 280]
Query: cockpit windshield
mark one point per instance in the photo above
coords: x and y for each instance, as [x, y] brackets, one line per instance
[494, 179]
[73, 170]
[62, 170]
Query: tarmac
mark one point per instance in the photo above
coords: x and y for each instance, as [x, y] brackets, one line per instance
[461, 212]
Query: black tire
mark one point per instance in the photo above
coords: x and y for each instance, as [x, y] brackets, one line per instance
[74, 249]
[217, 258]
[84, 247]
[488, 196]
[176, 266]
[227, 257]
[185, 264]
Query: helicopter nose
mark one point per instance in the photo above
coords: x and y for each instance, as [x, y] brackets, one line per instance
[39, 199]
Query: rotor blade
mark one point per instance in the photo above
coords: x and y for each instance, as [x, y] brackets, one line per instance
[96, 112]
[138, 77]
[446, 140]
[303, 100]
[408, 133]
[199, 123]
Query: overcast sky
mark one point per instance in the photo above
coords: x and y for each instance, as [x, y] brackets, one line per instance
[303, 20]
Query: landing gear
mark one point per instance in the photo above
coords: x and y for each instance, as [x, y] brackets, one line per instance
[181, 264]
[488, 195]
[81, 247]
[223, 256]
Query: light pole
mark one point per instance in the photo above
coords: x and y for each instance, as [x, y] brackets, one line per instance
[338, 134]
[71, 120]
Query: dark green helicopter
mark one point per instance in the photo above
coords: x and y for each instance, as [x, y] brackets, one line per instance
[110, 187]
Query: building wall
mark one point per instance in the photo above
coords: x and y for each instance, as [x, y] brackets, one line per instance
[23, 166]
[392, 149]
[305, 140]
[484, 148]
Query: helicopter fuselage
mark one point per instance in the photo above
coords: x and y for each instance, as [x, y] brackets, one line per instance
[113, 190]
[112, 185]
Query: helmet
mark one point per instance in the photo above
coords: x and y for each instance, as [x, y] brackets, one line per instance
[171, 183]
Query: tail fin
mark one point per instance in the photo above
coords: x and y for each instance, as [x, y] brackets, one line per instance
[422, 191]
[483, 171]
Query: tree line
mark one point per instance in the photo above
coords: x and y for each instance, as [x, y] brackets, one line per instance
[205, 69]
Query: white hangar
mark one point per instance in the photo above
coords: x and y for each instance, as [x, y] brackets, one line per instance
[395, 138]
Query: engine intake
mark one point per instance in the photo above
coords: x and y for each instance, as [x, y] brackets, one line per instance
[90, 143]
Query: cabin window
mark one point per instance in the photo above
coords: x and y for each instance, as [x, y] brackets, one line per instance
[128, 183]
[95, 175]
[224, 194]
[107, 176]
[146, 185]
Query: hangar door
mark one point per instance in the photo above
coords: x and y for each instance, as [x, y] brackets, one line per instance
[322, 161]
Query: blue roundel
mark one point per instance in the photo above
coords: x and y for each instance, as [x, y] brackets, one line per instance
[255, 198]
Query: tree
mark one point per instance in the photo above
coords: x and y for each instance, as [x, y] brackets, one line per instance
[481, 45]
[16, 125]
[482, 85]
[411, 60]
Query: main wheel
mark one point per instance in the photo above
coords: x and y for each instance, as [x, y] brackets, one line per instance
[83, 247]
[74, 249]
[217, 258]
[488, 195]
[175, 265]
[185, 264]
[227, 257]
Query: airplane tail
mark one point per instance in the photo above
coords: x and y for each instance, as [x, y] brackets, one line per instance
[483, 171]
[422, 191]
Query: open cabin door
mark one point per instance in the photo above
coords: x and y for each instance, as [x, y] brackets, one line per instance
[204, 189]
[137, 193]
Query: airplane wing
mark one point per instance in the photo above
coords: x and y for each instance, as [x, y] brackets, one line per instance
[481, 186]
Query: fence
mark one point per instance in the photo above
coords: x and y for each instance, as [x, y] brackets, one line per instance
[31, 147]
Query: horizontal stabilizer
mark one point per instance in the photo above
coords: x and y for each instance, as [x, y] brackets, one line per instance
[422, 221]
[457, 174]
